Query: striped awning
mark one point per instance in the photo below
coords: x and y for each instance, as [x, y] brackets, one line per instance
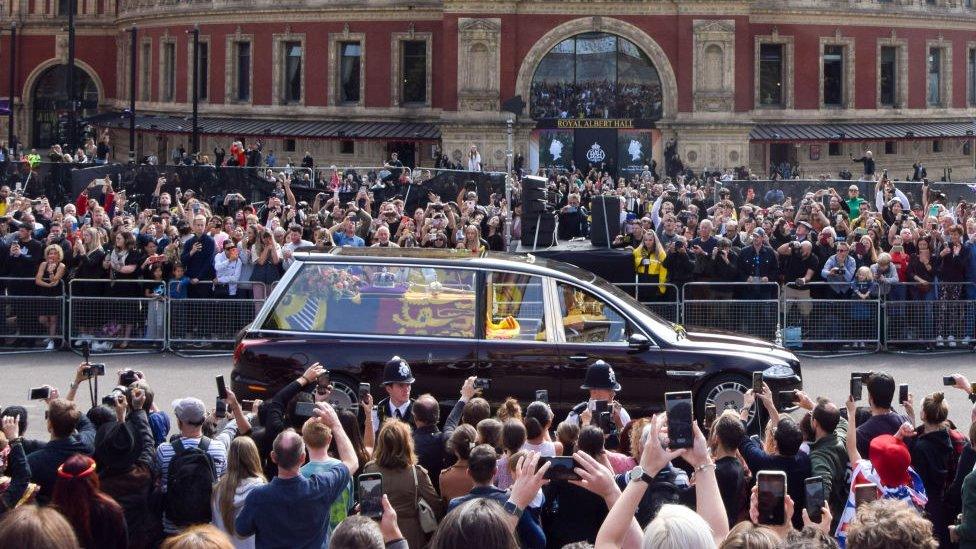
[323, 129]
[860, 132]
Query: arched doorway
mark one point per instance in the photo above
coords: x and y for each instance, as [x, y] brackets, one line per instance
[49, 103]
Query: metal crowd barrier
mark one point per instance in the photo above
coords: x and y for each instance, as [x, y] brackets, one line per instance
[936, 315]
[214, 318]
[747, 307]
[831, 317]
[26, 309]
[662, 299]
[117, 315]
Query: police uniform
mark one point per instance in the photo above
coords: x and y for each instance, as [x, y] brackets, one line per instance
[396, 371]
[599, 375]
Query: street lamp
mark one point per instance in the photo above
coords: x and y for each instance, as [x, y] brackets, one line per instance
[12, 85]
[133, 33]
[194, 131]
[507, 235]
[72, 96]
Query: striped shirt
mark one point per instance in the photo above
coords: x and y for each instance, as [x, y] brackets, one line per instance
[165, 453]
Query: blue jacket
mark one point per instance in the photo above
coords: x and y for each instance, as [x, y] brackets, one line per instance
[199, 265]
[292, 513]
[44, 463]
[529, 531]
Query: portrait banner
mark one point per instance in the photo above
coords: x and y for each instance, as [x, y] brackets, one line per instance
[633, 151]
[556, 149]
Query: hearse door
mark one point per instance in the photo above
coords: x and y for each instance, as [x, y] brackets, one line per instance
[517, 352]
[591, 329]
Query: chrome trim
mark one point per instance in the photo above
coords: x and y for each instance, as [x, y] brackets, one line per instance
[256, 334]
[683, 373]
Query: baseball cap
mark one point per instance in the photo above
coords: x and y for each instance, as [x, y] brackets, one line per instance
[189, 410]
[758, 231]
[891, 459]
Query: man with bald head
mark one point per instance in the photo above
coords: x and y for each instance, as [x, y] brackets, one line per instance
[293, 510]
[826, 432]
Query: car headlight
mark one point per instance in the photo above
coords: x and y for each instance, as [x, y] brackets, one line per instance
[779, 371]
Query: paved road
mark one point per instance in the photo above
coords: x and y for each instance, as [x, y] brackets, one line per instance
[173, 377]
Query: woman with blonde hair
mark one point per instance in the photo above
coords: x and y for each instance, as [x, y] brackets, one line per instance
[243, 474]
[649, 259]
[934, 458]
[405, 483]
[201, 536]
[510, 409]
[48, 282]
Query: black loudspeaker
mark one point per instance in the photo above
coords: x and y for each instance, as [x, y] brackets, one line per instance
[538, 230]
[605, 212]
[535, 196]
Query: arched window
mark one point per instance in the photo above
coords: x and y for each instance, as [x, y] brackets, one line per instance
[596, 75]
[50, 102]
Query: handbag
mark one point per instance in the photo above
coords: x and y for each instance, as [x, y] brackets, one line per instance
[428, 520]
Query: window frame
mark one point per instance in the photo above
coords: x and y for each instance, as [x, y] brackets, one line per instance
[279, 67]
[145, 69]
[167, 79]
[204, 68]
[901, 72]
[971, 74]
[560, 330]
[231, 73]
[787, 71]
[335, 66]
[847, 66]
[396, 69]
[945, 73]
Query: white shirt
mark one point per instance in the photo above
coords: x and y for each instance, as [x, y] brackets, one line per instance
[290, 248]
[474, 162]
[228, 272]
[391, 412]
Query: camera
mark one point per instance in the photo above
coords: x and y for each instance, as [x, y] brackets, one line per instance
[94, 370]
[113, 397]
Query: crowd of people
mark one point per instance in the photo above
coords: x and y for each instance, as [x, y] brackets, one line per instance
[595, 99]
[824, 244]
[292, 471]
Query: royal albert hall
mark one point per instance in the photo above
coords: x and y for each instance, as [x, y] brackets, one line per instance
[735, 82]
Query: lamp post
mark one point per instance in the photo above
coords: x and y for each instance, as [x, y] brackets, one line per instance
[194, 130]
[12, 85]
[133, 34]
[509, 180]
[72, 96]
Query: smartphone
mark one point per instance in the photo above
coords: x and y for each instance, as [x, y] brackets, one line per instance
[757, 382]
[863, 376]
[371, 495]
[933, 211]
[221, 388]
[561, 468]
[304, 409]
[709, 415]
[40, 393]
[948, 381]
[865, 493]
[364, 389]
[482, 383]
[816, 498]
[903, 393]
[542, 395]
[94, 370]
[856, 386]
[221, 408]
[772, 497]
[247, 405]
[678, 406]
[600, 406]
[786, 399]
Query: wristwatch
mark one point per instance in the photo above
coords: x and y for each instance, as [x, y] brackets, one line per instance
[638, 474]
[512, 509]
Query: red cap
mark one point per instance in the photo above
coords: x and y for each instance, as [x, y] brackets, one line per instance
[891, 460]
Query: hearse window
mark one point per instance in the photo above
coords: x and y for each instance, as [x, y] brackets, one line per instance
[378, 300]
[516, 307]
[587, 319]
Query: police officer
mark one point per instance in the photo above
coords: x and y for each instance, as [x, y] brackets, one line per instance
[602, 384]
[397, 380]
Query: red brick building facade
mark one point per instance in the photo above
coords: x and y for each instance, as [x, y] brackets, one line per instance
[735, 82]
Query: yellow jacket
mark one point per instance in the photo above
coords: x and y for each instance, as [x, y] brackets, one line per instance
[655, 265]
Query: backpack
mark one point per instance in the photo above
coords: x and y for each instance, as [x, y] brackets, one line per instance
[192, 474]
[959, 443]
